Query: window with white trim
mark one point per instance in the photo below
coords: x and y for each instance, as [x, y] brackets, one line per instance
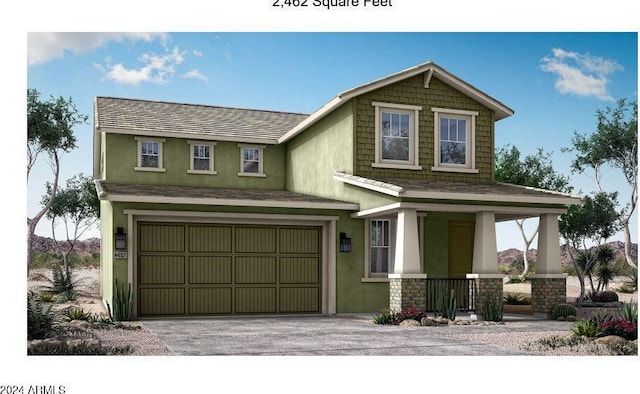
[396, 136]
[201, 157]
[251, 160]
[379, 246]
[149, 154]
[454, 137]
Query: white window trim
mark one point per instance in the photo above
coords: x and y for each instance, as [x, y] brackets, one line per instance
[414, 161]
[139, 166]
[260, 173]
[211, 145]
[384, 277]
[470, 167]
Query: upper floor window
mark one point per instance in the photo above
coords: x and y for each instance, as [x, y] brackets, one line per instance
[251, 160]
[396, 136]
[454, 137]
[201, 157]
[150, 154]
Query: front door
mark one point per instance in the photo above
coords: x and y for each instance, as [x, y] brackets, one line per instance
[461, 235]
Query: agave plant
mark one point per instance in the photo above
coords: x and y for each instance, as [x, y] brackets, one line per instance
[629, 312]
[62, 283]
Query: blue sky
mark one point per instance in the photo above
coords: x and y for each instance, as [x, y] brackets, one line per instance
[555, 82]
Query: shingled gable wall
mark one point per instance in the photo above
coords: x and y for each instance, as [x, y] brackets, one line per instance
[411, 91]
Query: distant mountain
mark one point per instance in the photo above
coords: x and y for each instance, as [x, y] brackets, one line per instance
[82, 247]
[510, 255]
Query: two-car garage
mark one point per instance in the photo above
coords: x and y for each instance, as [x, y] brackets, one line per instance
[207, 269]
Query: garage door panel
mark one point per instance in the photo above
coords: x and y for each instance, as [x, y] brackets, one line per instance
[210, 301]
[210, 269]
[161, 238]
[299, 241]
[255, 300]
[210, 239]
[255, 240]
[255, 270]
[299, 270]
[158, 270]
[299, 299]
[167, 301]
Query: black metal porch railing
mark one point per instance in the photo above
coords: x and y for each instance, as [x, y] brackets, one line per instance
[465, 290]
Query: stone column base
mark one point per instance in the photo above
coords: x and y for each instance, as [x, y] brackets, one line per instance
[407, 293]
[488, 287]
[547, 291]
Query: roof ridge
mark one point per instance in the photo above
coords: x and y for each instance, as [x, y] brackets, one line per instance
[198, 105]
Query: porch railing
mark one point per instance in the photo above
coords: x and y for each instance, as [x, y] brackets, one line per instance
[465, 290]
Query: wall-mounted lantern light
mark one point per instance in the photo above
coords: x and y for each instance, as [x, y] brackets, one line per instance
[345, 243]
[120, 238]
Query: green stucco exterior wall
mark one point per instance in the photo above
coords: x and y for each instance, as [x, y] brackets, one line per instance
[411, 91]
[123, 157]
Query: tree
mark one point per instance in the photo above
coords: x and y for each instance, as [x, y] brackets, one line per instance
[77, 206]
[596, 221]
[614, 143]
[50, 132]
[533, 171]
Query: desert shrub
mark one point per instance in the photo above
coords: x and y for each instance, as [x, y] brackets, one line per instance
[586, 328]
[81, 348]
[40, 318]
[409, 313]
[385, 316]
[514, 299]
[493, 309]
[45, 296]
[44, 260]
[563, 310]
[76, 313]
[629, 312]
[62, 283]
[620, 327]
[517, 266]
[605, 296]
[518, 279]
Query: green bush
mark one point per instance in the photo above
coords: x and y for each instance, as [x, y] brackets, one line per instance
[62, 283]
[514, 299]
[82, 348]
[605, 296]
[586, 328]
[629, 312]
[40, 318]
[46, 296]
[563, 310]
[76, 313]
[385, 316]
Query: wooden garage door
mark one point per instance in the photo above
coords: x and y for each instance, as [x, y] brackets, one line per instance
[189, 269]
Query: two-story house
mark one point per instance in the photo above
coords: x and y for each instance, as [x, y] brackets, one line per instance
[209, 210]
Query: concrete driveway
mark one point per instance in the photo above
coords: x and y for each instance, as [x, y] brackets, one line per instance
[338, 336]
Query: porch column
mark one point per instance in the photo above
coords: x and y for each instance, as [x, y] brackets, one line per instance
[548, 284]
[489, 282]
[407, 282]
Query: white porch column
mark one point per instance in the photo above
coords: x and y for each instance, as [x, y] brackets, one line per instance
[485, 250]
[407, 256]
[548, 245]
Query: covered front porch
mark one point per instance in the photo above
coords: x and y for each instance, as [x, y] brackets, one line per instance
[447, 231]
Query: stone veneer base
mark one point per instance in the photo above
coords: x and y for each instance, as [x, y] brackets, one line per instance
[547, 293]
[407, 293]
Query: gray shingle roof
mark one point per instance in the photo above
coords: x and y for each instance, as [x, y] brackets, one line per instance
[282, 198]
[164, 117]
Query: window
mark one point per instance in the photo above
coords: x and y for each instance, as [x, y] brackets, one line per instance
[454, 140]
[380, 246]
[251, 163]
[396, 134]
[201, 157]
[149, 154]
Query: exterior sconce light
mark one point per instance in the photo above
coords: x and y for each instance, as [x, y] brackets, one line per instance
[345, 243]
[120, 238]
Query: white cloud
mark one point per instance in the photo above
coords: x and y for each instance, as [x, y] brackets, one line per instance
[580, 74]
[155, 69]
[43, 47]
[197, 52]
[195, 74]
